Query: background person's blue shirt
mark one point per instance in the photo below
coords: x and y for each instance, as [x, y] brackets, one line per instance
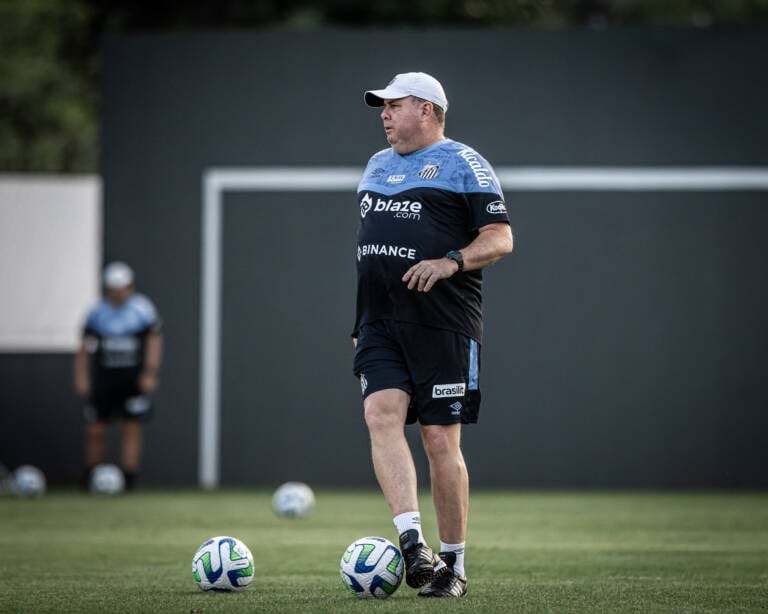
[116, 335]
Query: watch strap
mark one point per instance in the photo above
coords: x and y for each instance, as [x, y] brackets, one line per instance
[457, 257]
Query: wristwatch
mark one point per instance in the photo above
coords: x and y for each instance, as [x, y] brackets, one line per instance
[456, 256]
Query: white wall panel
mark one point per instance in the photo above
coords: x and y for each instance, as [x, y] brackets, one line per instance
[50, 255]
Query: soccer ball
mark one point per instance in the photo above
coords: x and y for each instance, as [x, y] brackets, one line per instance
[223, 564]
[28, 481]
[293, 500]
[372, 567]
[107, 479]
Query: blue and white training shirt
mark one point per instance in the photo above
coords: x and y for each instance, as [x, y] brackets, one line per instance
[116, 334]
[419, 206]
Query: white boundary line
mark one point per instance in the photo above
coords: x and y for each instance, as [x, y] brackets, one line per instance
[216, 181]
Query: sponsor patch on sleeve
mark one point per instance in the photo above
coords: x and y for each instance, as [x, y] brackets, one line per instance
[496, 207]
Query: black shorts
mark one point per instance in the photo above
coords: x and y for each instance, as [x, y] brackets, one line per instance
[108, 407]
[439, 369]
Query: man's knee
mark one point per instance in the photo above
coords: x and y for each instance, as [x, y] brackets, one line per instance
[385, 410]
[440, 441]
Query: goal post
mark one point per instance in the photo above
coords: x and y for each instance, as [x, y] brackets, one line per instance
[217, 181]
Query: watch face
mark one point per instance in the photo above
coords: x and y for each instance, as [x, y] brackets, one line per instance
[457, 258]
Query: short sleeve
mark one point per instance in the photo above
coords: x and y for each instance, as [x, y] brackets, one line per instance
[486, 209]
[482, 190]
[373, 170]
[89, 325]
[147, 312]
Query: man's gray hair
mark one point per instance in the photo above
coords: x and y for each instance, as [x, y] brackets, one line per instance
[437, 110]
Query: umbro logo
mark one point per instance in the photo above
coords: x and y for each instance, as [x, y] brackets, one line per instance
[456, 408]
[376, 172]
[429, 171]
[363, 382]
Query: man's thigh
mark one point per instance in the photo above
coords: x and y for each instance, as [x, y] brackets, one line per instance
[445, 371]
[379, 362]
[110, 404]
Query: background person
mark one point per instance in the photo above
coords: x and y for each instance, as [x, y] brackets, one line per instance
[116, 369]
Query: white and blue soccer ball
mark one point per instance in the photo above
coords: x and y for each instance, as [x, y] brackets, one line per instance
[28, 481]
[224, 564]
[107, 479]
[372, 567]
[293, 500]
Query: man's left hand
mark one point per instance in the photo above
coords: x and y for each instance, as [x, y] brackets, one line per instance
[425, 274]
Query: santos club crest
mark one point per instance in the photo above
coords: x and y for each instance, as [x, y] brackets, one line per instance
[429, 171]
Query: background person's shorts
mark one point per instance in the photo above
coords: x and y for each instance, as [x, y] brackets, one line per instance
[440, 369]
[118, 407]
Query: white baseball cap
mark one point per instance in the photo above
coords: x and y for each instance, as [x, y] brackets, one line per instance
[117, 275]
[418, 84]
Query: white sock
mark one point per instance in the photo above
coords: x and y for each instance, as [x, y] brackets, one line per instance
[407, 521]
[458, 550]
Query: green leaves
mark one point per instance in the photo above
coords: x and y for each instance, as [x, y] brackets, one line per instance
[47, 92]
[49, 49]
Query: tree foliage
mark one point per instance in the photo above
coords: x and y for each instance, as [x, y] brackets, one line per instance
[49, 58]
[47, 93]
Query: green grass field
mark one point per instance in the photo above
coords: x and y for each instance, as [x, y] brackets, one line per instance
[543, 552]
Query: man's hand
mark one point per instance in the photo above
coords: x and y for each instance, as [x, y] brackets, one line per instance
[354, 342]
[82, 376]
[425, 274]
[82, 387]
[147, 382]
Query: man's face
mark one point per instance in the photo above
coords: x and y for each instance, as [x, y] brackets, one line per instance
[402, 122]
[117, 296]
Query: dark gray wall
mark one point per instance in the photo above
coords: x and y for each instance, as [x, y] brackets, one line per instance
[626, 338]
[40, 419]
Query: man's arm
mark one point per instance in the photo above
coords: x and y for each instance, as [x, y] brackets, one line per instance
[153, 354]
[493, 242]
[82, 376]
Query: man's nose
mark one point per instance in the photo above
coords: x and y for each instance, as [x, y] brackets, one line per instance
[384, 113]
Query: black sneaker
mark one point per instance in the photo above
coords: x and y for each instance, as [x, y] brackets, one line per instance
[445, 583]
[418, 558]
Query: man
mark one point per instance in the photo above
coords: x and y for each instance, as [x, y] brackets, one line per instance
[432, 216]
[116, 369]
